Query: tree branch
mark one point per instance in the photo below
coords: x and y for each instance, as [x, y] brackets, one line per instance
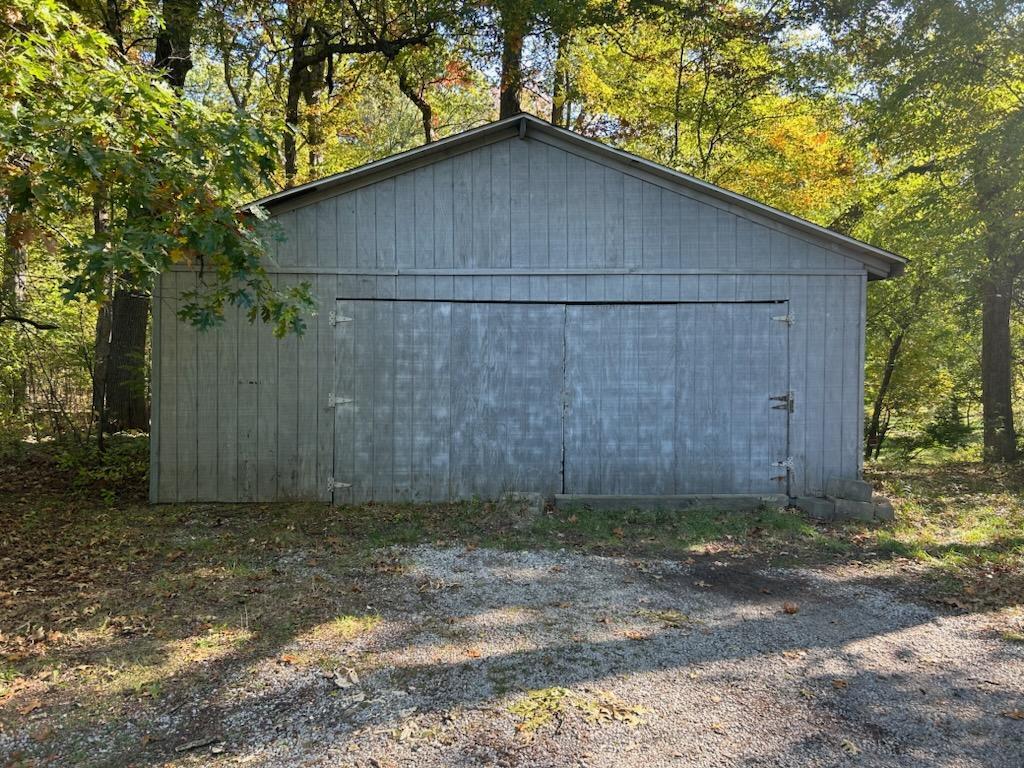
[27, 321]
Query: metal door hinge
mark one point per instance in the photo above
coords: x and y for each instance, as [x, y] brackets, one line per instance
[334, 318]
[333, 401]
[787, 319]
[333, 485]
[785, 402]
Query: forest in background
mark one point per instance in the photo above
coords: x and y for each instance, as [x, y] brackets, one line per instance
[131, 131]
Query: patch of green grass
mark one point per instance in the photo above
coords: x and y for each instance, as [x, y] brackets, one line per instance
[348, 627]
[538, 708]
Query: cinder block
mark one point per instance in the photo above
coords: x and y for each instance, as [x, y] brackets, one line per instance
[847, 509]
[845, 488]
[883, 508]
[816, 507]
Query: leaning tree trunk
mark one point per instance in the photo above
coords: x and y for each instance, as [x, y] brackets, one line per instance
[1000, 436]
[510, 86]
[426, 111]
[876, 432]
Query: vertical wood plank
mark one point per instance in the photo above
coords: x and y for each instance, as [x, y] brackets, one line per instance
[338, 423]
[228, 403]
[444, 215]
[327, 368]
[384, 206]
[462, 210]
[188, 394]
[383, 399]
[501, 206]
[520, 222]
[442, 386]
[363, 363]
[308, 406]
[402, 434]
[576, 211]
[347, 256]
[539, 199]
[651, 216]
[423, 183]
[405, 221]
[558, 223]
[482, 179]
[594, 201]
[366, 227]
[267, 465]
[167, 489]
[287, 397]
[155, 376]
[423, 346]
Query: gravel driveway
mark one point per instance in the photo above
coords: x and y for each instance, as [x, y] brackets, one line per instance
[486, 658]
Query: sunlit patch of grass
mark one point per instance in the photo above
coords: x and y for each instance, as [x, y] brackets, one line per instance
[348, 627]
[538, 708]
[221, 636]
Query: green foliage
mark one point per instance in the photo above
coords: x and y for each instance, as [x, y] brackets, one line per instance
[120, 470]
[87, 132]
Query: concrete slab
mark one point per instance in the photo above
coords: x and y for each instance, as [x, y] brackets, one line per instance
[847, 509]
[718, 503]
[817, 507]
[846, 488]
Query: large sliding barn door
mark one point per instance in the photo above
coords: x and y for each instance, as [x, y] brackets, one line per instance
[439, 400]
[676, 399]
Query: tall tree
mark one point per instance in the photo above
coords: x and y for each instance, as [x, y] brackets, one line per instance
[941, 86]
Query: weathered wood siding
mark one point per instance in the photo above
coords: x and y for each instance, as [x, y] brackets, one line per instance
[239, 415]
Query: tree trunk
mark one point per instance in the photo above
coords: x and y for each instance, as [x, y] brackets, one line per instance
[125, 376]
[293, 100]
[173, 52]
[875, 433]
[426, 111]
[101, 347]
[560, 92]
[12, 292]
[510, 87]
[314, 82]
[1000, 437]
[123, 396]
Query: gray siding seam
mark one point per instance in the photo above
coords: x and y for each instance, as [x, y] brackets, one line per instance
[370, 272]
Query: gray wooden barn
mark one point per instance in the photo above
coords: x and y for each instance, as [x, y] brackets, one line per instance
[520, 308]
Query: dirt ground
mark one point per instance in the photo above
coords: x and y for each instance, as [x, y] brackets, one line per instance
[441, 635]
[477, 657]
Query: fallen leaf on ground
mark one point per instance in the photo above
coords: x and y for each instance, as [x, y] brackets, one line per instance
[473, 653]
[839, 684]
[1014, 714]
[30, 707]
[288, 658]
[849, 747]
[790, 608]
[345, 678]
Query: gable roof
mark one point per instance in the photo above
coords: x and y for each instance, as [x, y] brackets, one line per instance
[879, 262]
